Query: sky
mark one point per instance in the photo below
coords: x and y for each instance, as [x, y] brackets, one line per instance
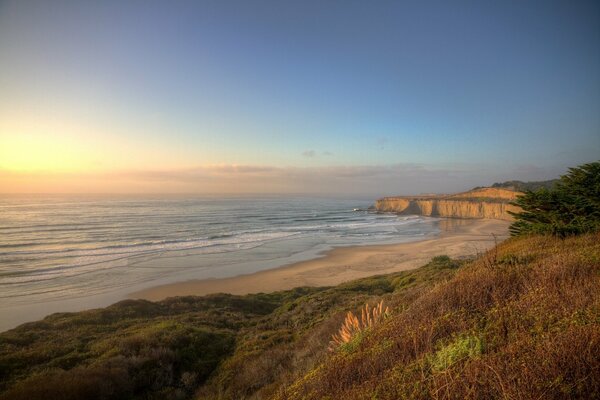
[313, 97]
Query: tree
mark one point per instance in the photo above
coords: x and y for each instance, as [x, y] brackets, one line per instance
[571, 207]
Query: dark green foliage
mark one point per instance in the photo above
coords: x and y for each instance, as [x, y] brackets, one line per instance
[572, 207]
[131, 350]
[442, 262]
[583, 182]
[376, 285]
[521, 186]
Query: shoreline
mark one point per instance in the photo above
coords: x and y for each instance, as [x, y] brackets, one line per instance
[459, 238]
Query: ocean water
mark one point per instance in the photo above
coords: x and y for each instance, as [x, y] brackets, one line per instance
[64, 253]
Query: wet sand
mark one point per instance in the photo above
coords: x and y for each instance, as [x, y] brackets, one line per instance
[459, 238]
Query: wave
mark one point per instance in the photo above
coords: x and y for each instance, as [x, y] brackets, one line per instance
[163, 245]
[107, 254]
[188, 243]
[101, 240]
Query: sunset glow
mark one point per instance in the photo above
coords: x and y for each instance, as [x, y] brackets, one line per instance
[29, 153]
[226, 86]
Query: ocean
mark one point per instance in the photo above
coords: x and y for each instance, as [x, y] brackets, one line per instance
[67, 253]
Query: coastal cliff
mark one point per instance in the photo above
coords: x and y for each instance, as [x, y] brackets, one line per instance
[492, 203]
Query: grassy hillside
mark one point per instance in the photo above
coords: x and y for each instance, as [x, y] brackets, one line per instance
[133, 349]
[521, 321]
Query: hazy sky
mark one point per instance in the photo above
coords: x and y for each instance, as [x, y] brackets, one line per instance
[305, 97]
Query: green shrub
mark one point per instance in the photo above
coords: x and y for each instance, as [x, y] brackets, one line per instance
[461, 348]
[442, 262]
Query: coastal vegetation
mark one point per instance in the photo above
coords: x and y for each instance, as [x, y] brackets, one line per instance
[520, 186]
[520, 321]
[216, 346]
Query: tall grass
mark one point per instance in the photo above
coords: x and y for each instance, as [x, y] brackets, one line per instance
[354, 325]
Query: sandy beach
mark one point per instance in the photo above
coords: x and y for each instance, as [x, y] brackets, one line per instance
[459, 238]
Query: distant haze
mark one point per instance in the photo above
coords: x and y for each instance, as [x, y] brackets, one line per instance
[294, 97]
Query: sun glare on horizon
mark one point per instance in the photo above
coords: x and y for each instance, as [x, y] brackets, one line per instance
[41, 153]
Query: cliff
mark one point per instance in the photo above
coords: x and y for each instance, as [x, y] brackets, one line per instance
[490, 203]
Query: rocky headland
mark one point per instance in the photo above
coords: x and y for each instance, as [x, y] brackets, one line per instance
[490, 203]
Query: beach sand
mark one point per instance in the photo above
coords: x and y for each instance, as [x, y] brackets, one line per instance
[459, 238]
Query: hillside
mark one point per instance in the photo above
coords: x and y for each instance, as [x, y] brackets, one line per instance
[521, 186]
[491, 203]
[521, 321]
[135, 349]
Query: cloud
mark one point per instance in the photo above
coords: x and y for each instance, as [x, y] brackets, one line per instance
[363, 180]
[314, 153]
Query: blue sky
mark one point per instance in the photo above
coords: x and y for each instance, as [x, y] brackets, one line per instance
[475, 91]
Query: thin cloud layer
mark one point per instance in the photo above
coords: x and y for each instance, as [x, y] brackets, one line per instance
[366, 180]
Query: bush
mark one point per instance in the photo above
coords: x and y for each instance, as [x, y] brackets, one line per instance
[458, 350]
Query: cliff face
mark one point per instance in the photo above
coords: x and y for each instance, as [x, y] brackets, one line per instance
[481, 203]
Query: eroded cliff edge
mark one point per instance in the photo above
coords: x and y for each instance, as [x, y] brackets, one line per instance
[490, 203]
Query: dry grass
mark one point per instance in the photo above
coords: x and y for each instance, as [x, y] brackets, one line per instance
[521, 322]
[294, 339]
[353, 325]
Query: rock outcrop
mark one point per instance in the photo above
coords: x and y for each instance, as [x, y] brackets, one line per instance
[490, 203]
